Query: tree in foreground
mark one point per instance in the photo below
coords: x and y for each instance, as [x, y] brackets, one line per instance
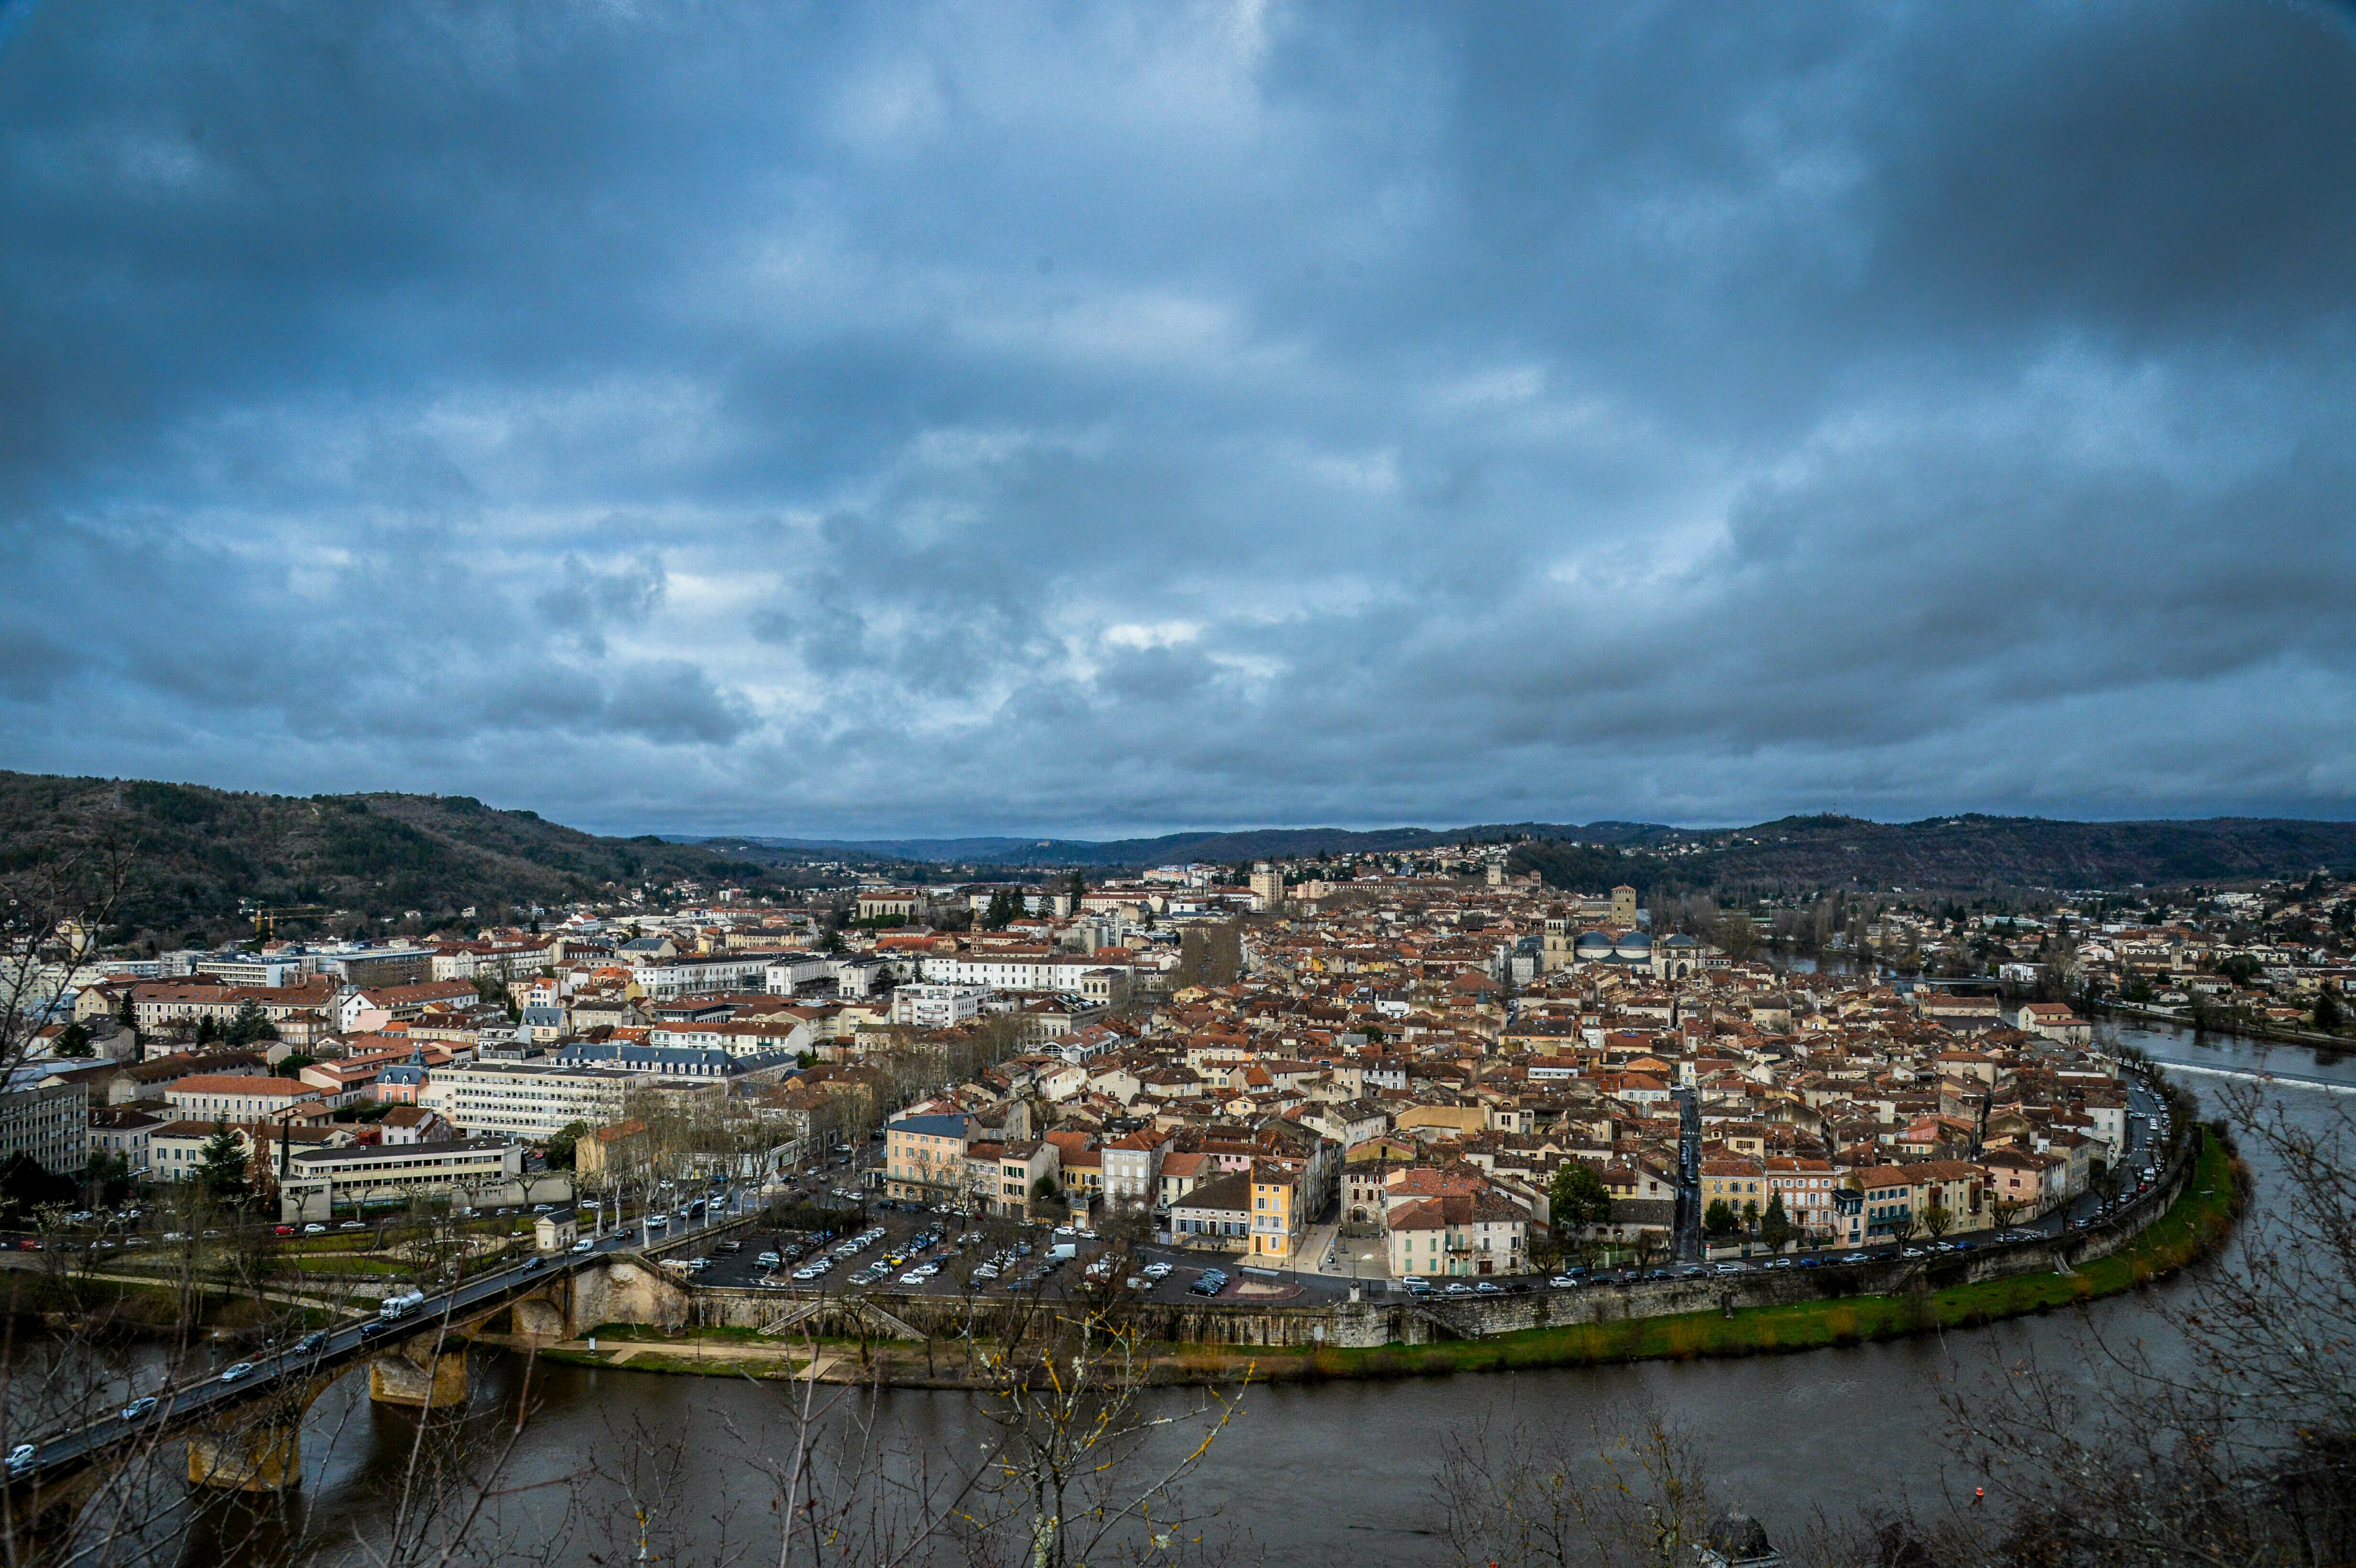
[1576, 1200]
[1719, 1220]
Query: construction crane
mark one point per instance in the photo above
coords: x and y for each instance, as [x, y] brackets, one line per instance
[266, 920]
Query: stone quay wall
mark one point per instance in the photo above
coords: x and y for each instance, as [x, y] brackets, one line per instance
[1394, 1319]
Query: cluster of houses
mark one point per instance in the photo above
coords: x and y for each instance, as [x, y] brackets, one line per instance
[1412, 1057]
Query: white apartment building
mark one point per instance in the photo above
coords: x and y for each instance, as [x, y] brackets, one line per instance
[758, 1038]
[701, 977]
[527, 1100]
[931, 1005]
[788, 972]
[1061, 975]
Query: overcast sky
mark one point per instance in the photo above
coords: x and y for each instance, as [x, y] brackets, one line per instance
[1085, 419]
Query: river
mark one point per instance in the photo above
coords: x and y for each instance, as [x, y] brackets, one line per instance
[1343, 1473]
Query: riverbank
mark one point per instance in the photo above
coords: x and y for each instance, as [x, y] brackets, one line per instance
[2227, 1024]
[2201, 1219]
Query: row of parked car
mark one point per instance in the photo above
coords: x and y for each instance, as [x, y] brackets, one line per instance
[851, 1247]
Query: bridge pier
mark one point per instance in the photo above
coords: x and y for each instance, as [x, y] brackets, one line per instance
[541, 1318]
[398, 1380]
[263, 1456]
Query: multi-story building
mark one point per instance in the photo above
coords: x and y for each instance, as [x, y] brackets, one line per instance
[175, 1150]
[1004, 1177]
[160, 1006]
[699, 977]
[937, 1005]
[51, 1123]
[231, 1097]
[123, 1130]
[1216, 1212]
[1132, 1167]
[367, 967]
[1459, 1234]
[481, 1169]
[1036, 970]
[1276, 1207]
[886, 903]
[925, 1157]
[679, 1063]
[525, 1099]
[1897, 1201]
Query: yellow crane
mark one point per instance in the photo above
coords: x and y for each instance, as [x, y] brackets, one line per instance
[266, 920]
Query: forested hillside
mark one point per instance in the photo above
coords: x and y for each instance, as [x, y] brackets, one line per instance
[1950, 854]
[197, 852]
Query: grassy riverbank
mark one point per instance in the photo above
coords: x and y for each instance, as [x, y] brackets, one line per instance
[2202, 1218]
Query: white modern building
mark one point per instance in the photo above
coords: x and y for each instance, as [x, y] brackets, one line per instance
[525, 1099]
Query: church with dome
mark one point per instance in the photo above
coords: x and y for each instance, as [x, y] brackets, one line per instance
[1615, 941]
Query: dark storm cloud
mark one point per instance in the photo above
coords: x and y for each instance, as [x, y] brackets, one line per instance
[919, 419]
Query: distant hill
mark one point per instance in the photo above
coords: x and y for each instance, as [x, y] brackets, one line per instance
[1178, 848]
[199, 852]
[1125, 853]
[202, 852]
[1952, 854]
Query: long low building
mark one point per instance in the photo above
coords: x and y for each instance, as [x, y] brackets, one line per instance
[484, 1170]
[1059, 974]
[681, 1061]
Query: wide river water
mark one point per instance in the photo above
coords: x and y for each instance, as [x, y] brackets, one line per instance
[1343, 1473]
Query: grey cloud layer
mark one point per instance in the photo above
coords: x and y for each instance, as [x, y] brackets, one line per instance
[922, 418]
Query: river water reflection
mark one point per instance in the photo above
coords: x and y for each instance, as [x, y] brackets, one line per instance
[1341, 1473]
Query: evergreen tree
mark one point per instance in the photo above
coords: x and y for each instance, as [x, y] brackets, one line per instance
[1719, 1219]
[74, 1041]
[2329, 1015]
[1577, 1199]
[562, 1145]
[1775, 1225]
[221, 1167]
[249, 1026]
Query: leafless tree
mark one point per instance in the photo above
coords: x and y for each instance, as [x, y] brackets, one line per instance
[2226, 1440]
[1629, 1490]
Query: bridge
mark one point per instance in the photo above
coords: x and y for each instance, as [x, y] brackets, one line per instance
[246, 1435]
